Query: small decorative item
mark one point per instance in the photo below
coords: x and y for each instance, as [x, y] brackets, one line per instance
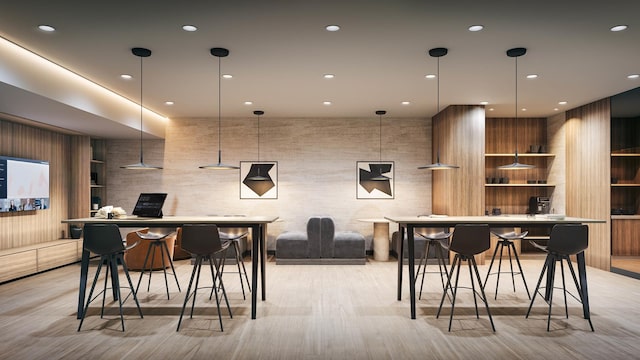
[375, 180]
[259, 180]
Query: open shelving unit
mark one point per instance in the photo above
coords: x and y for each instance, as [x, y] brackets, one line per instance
[98, 175]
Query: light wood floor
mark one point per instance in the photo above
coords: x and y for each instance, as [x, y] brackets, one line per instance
[319, 312]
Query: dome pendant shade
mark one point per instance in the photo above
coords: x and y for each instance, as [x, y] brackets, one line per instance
[219, 53]
[516, 53]
[141, 53]
[438, 53]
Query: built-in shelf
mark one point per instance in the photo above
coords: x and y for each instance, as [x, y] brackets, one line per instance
[519, 185]
[624, 155]
[521, 155]
[625, 217]
[94, 161]
[97, 186]
[625, 185]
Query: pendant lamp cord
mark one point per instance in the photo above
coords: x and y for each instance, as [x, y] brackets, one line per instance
[219, 106]
[141, 85]
[380, 135]
[258, 138]
[516, 110]
[437, 108]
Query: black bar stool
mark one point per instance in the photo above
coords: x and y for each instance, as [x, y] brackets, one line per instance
[104, 240]
[433, 241]
[467, 240]
[506, 240]
[234, 239]
[203, 242]
[565, 240]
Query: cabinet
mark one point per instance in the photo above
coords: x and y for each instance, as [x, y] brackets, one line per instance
[98, 175]
[625, 186]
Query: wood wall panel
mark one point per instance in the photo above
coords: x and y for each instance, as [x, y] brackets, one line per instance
[459, 130]
[34, 227]
[588, 149]
[625, 237]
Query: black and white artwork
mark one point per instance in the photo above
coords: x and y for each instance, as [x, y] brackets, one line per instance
[259, 180]
[375, 180]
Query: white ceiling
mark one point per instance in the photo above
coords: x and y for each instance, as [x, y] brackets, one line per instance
[279, 51]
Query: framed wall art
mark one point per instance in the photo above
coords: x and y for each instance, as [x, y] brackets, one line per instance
[258, 180]
[375, 180]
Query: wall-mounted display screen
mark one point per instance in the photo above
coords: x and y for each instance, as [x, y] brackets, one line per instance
[24, 184]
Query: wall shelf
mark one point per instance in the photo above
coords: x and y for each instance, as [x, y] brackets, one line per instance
[521, 155]
[520, 185]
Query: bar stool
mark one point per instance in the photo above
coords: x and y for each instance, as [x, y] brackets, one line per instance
[203, 242]
[467, 240]
[433, 240]
[104, 240]
[564, 240]
[156, 241]
[234, 239]
[506, 239]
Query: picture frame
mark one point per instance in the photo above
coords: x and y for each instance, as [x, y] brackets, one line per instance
[264, 188]
[375, 180]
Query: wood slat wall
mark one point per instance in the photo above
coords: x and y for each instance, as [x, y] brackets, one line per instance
[34, 227]
[588, 148]
[459, 191]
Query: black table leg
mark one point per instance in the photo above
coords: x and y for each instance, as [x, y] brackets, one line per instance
[263, 260]
[400, 258]
[255, 256]
[412, 274]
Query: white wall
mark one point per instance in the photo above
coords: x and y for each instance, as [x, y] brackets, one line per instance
[316, 168]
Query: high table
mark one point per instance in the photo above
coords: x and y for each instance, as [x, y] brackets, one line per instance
[258, 225]
[409, 223]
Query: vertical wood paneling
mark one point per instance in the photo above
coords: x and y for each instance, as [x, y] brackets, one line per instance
[31, 228]
[460, 131]
[79, 160]
[588, 175]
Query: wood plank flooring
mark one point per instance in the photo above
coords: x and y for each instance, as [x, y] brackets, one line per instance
[319, 312]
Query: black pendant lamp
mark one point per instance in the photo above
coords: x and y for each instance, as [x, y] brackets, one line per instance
[380, 176]
[141, 53]
[258, 176]
[516, 53]
[438, 53]
[219, 53]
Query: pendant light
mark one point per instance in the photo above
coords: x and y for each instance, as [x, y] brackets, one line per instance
[258, 176]
[219, 53]
[516, 53]
[438, 53]
[141, 53]
[379, 176]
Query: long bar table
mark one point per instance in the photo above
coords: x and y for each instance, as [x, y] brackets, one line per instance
[410, 223]
[257, 224]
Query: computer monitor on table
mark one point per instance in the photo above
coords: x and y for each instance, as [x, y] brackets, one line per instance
[150, 205]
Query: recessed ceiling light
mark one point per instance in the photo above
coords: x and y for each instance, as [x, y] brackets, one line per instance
[328, 76]
[524, 109]
[633, 76]
[169, 103]
[406, 103]
[126, 76]
[555, 109]
[562, 103]
[532, 76]
[430, 76]
[248, 102]
[619, 28]
[189, 28]
[475, 28]
[484, 102]
[227, 76]
[327, 103]
[491, 109]
[47, 28]
[332, 28]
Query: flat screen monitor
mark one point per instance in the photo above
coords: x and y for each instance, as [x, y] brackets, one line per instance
[24, 184]
[150, 205]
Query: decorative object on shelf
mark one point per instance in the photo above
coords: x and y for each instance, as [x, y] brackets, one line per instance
[258, 176]
[516, 53]
[266, 188]
[366, 188]
[219, 53]
[141, 53]
[438, 53]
